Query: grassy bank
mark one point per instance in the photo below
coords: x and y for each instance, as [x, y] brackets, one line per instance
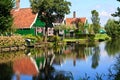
[102, 37]
[98, 37]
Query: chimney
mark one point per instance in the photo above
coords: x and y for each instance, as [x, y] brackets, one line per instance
[17, 4]
[74, 14]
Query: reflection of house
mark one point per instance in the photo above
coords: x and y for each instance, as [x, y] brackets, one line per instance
[25, 66]
[74, 20]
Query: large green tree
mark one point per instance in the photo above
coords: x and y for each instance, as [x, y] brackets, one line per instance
[95, 21]
[117, 13]
[5, 16]
[112, 28]
[50, 10]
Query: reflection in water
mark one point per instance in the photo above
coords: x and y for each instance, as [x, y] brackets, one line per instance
[117, 68]
[95, 57]
[114, 72]
[113, 47]
[62, 63]
[48, 72]
[6, 71]
[25, 66]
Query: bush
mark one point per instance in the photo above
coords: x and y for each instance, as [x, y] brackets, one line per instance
[33, 38]
[15, 40]
[54, 38]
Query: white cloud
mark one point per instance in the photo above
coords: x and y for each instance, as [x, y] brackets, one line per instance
[105, 14]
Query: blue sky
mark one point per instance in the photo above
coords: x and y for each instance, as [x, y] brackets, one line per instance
[83, 8]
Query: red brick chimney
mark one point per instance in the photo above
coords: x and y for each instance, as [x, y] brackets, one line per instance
[74, 14]
[17, 4]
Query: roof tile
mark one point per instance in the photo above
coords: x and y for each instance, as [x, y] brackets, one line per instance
[23, 17]
[70, 21]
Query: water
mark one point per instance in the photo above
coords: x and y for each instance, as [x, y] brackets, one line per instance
[72, 62]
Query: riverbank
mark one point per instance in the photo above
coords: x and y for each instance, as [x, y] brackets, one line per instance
[17, 42]
[97, 38]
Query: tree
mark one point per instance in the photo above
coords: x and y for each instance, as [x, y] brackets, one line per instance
[5, 16]
[117, 14]
[112, 28]
[96, 21]
[50, 10]
[81, 27]
[90, 29]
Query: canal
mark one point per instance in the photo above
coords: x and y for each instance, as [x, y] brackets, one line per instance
[94, 61]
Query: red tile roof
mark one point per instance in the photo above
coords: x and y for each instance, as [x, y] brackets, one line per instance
[23, 17]
[70, 21]
[25, 66]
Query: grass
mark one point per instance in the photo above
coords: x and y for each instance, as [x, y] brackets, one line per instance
[102, 37]
[98, 37]
[75, 40]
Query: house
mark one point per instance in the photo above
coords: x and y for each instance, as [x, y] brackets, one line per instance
[75, 20]
[27, 22]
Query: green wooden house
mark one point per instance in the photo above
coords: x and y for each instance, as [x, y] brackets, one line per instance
[27, 22]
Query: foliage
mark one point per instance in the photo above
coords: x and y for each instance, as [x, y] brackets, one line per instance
[81, 27]
[33, 38]
[112, 28]
[102, 37]
[50, 10]
[96, 21]
[16, 40]
[55, 39]
[90, 29]
[112, 47]
[114, 71]
[6, 71]
[117, 14]
[117, 68]
[5, 16]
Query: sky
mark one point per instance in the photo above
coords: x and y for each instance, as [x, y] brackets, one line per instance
[83, 8]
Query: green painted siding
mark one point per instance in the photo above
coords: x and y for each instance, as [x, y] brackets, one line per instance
[26, 31]
[38, 24]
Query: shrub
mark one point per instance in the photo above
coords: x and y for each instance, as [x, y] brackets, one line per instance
[33, 38]
[15, 40]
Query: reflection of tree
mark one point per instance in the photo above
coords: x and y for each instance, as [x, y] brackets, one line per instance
[112, 47]
[88, 51]
[59, 59]
[46, 70]
[57, 49]
[6, 71]
[115, 71]
[83, 50]
[49, 73]
[79, 49]
[95, 57]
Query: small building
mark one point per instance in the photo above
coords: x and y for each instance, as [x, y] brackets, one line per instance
[27, 22]
[74, 20]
